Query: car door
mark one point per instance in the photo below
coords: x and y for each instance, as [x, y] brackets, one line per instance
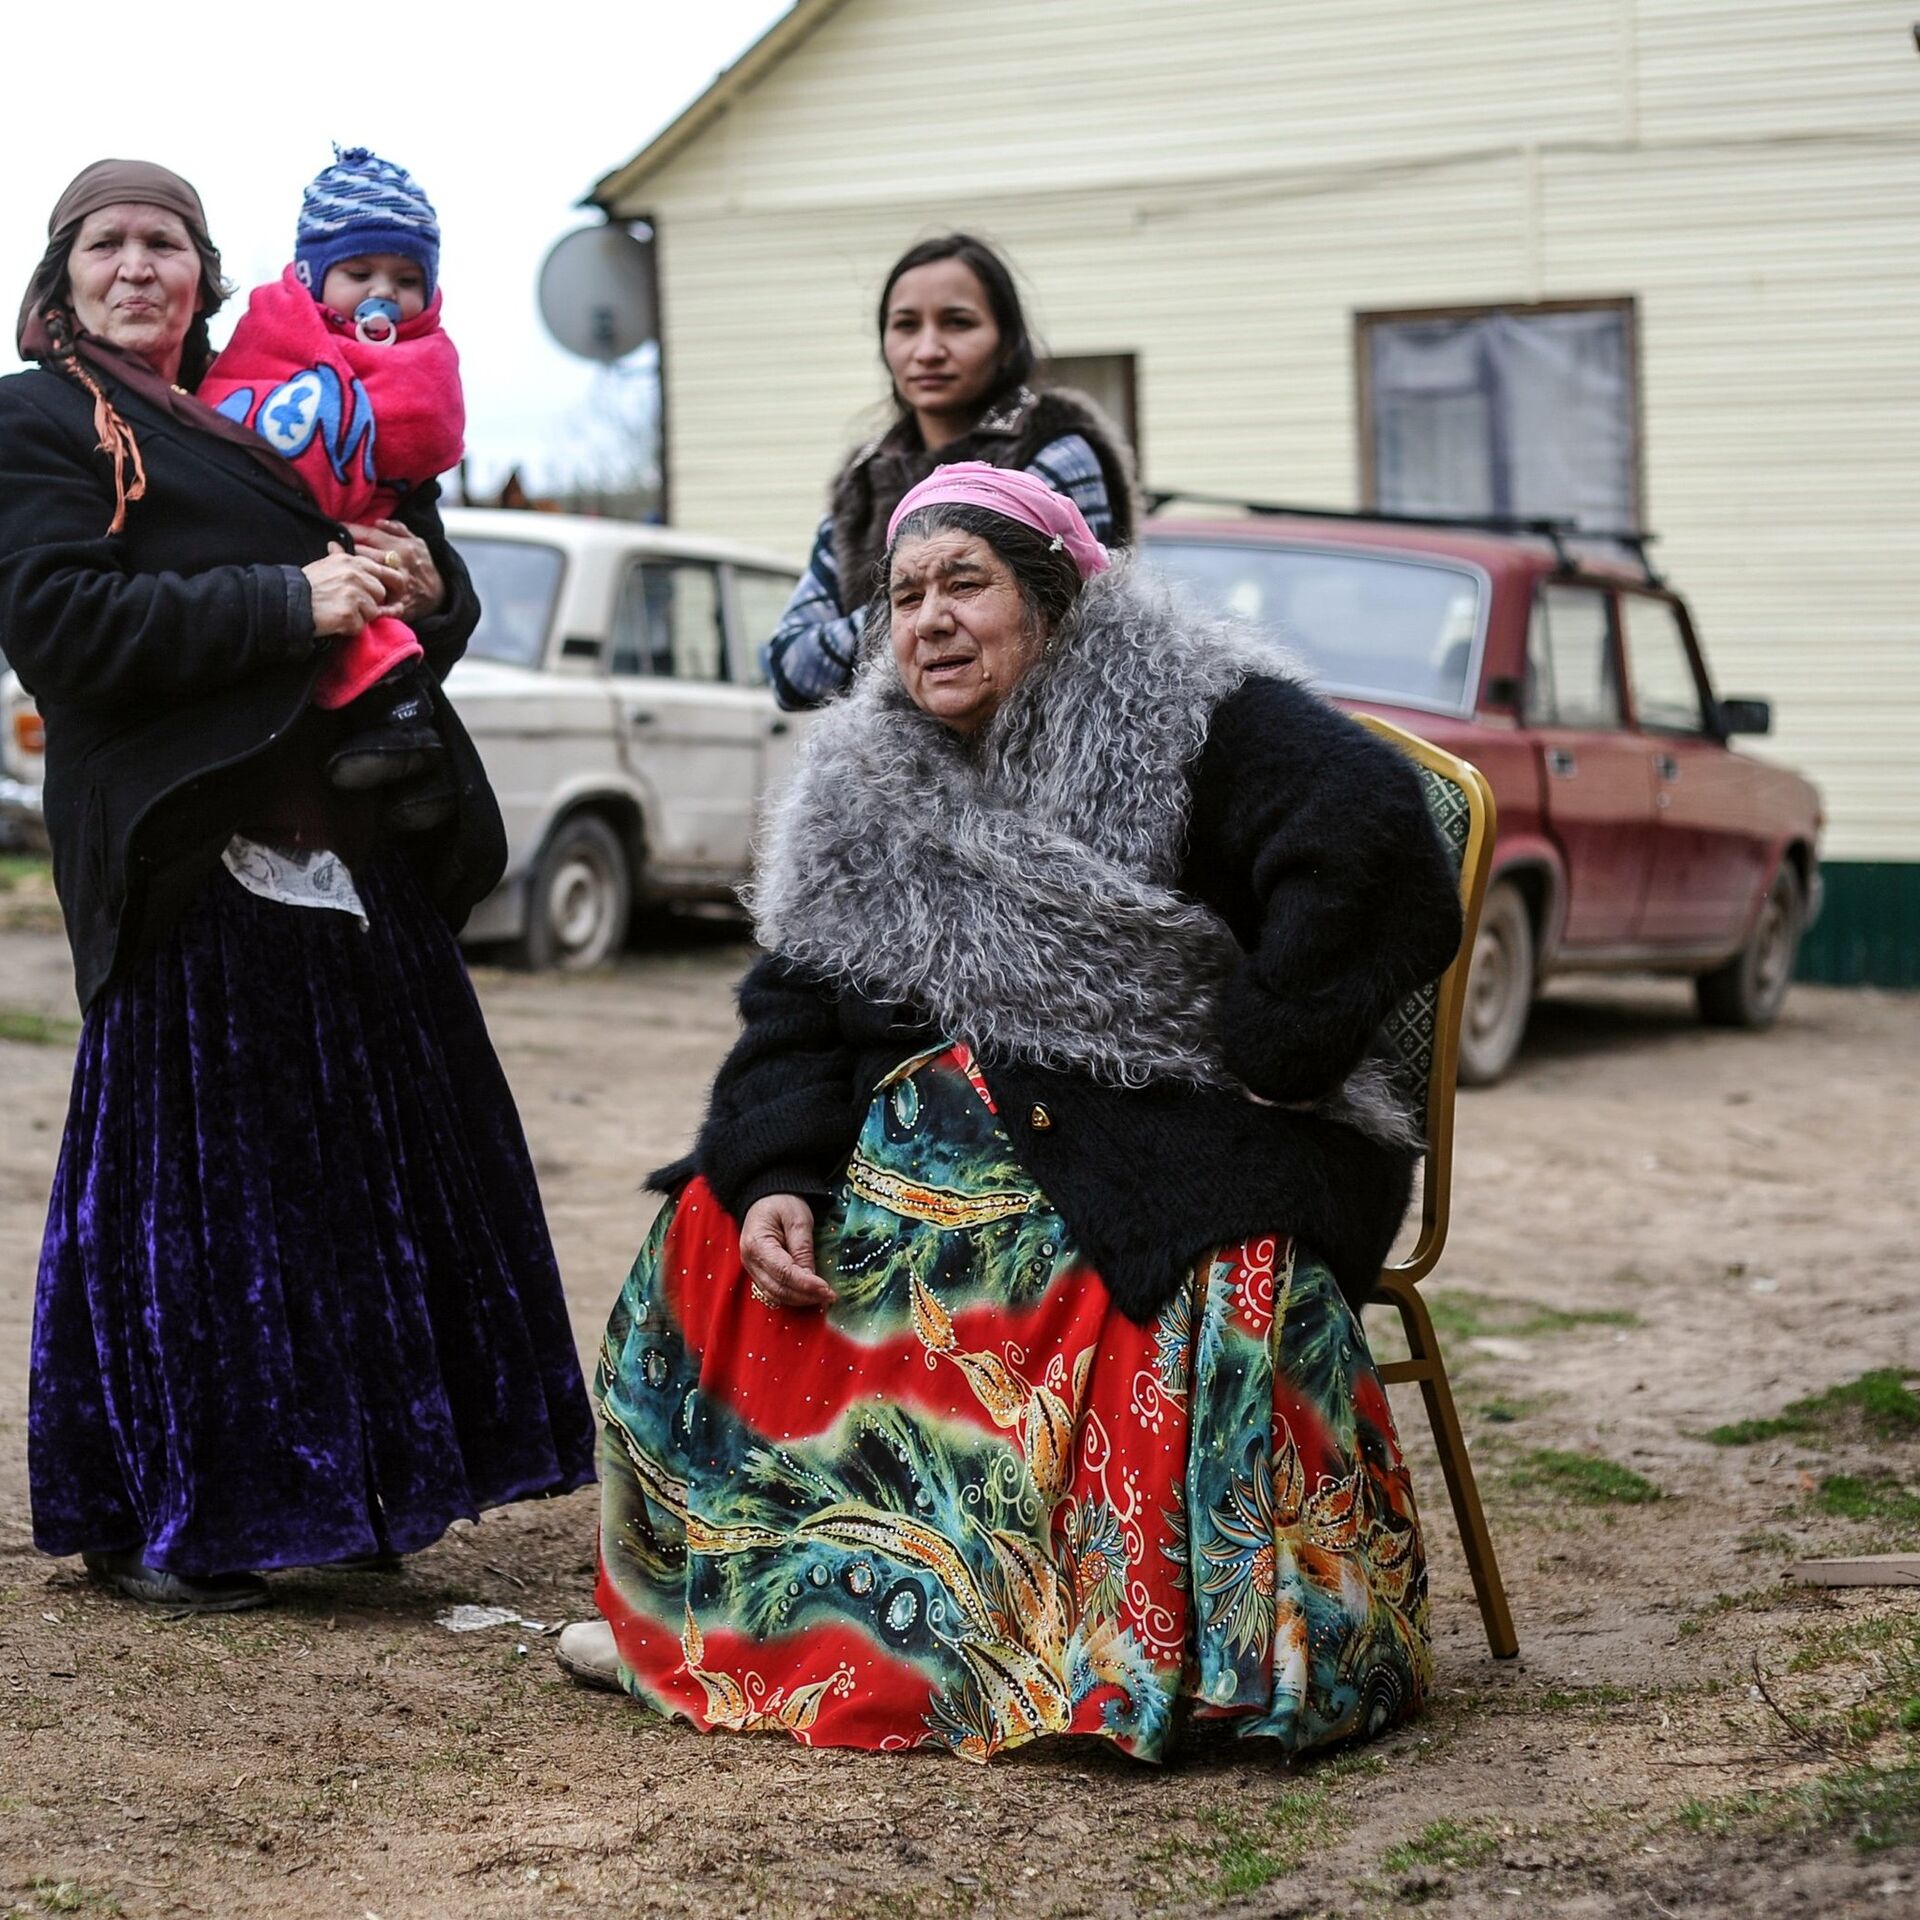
[760, 596]
[688, 735]
[538, 732]
[1708, 860]
[1594, 778]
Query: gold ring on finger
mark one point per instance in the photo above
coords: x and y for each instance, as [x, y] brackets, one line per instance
[761, 1294]
[393, 560]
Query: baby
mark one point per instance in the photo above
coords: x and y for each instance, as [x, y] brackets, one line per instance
[341, 366]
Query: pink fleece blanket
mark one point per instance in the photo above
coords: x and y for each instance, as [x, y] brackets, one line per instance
[361, 425]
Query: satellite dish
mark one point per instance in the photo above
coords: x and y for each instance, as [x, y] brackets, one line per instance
[596, 292]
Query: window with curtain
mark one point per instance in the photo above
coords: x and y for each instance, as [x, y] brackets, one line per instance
[1513, 411]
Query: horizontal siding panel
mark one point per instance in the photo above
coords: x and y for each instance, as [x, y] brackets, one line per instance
[1730, 67]
[1097, 93]
[1776, 278]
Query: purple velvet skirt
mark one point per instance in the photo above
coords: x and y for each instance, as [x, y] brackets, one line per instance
[297, 1302]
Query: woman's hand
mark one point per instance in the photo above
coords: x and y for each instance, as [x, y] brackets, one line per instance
[349, 589]
[400, 547]
[776, 1248]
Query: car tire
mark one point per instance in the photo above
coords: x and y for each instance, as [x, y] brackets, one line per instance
[579, 899]
[1749, 990]
[1500, 982]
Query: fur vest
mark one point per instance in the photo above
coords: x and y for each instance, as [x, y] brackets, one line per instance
[1020, 885]
[885, 470]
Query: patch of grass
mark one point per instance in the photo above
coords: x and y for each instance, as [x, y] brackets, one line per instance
[1460, 1317]
[1882, 1399]
[1573, 1699]
[1885, 1634]
[1735, 1810]
[69, 1896]
[1878, 1806]
[1566, 1319]
[1747, 1433]
[1755, 1597]
[1502, 1411]
[35, 1029]
[1879, 1656]
[1879, 1497]
[1586, 1477]
[24, 869]
[1243, 1865]
[1349, 1763]
[1247, 1854]
[1448, 1844]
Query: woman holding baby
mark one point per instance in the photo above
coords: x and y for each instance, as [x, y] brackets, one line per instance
[297, 1303]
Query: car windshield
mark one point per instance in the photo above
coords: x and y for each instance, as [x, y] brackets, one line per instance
[1372, 626]
[518, 582]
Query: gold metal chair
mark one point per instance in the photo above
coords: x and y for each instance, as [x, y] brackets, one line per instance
[1425, 1030]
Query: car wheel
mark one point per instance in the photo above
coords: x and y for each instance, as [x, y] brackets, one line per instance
[579, 899]
[1749, 989]
[1499, 987]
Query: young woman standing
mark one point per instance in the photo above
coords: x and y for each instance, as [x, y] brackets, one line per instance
[956, 348]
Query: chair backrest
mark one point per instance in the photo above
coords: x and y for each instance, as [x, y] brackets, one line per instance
[1425, 1028]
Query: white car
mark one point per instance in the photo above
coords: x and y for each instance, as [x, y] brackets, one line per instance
[22, 755]
[613, 688]
[614, 691]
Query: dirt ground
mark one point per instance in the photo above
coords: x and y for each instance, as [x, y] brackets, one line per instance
[1659, 1231]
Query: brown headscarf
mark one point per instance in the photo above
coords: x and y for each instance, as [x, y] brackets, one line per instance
[47, 331]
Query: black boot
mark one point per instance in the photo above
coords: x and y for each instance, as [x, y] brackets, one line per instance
[388, 733]
[128, 1573]
[428, 800]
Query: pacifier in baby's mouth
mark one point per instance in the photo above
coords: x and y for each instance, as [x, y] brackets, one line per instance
[377, 322]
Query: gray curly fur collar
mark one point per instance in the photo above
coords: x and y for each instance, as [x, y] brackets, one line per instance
[1019, 885]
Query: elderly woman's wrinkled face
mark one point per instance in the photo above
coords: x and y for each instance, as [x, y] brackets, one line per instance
[962, 634]
[134, 275]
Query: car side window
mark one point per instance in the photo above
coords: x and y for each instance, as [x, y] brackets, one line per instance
[667, 623]
[1666, 692]
[759, 600]
[1571, 677]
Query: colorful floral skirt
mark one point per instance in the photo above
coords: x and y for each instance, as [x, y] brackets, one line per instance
[972, 1503]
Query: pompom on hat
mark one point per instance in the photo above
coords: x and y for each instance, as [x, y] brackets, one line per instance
[1018, 496]
[359, 205]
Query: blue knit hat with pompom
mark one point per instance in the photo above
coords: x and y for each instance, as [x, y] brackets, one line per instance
[363, 204]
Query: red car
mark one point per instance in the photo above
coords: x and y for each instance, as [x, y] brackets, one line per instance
[1631, 834]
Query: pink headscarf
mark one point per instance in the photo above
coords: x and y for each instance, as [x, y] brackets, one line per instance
[1016, 495]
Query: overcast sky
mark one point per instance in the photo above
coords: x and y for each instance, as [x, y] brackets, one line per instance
[505, 116]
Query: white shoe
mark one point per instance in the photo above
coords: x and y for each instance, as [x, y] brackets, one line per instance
[587, 1652]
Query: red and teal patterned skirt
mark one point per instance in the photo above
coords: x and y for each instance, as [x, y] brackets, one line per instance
[972, 1503]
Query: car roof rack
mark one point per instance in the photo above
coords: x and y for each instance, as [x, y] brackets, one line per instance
[1556, 531]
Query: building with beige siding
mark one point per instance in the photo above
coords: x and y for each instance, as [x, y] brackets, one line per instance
[1344, 254]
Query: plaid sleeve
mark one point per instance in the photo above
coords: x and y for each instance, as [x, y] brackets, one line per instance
[1068, 465]
[811, 656]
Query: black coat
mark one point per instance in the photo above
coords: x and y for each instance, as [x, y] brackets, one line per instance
[1310, 837]
[168, 659]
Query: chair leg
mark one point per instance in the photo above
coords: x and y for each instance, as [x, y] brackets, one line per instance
[1457, 1466]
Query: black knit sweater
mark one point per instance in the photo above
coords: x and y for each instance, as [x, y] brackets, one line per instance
[173, 661]
[1310, 838]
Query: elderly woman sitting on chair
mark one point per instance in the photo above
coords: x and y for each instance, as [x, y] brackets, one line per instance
[996, 1369]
